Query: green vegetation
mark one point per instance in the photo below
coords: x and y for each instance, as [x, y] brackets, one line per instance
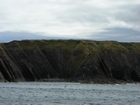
[134, 47]
[1, 46]
[113, 46]
[84, 51]
[77, 52]
[26, 45]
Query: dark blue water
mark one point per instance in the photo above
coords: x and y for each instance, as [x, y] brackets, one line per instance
[61, 93]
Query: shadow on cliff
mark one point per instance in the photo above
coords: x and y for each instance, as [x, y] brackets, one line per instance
[36, 60]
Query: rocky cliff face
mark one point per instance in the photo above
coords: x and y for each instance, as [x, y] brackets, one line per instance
[69, 59]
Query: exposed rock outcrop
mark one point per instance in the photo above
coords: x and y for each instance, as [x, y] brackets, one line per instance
[73, 60]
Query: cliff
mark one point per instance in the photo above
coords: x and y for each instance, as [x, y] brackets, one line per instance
[72, 60]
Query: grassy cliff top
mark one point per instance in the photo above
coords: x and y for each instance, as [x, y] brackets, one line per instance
[86, 46]
[77, 51]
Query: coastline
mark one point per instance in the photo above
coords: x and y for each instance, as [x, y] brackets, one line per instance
[95, 81]
[84, 61]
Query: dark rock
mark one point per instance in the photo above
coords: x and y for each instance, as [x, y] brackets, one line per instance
[96, 62]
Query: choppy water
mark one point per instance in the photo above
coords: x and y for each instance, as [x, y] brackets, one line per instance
[61, 93]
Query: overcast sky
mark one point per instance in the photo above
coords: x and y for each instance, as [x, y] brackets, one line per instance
[70, 19]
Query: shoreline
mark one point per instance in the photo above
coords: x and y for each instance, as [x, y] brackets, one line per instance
[84, 61]
[95, 81]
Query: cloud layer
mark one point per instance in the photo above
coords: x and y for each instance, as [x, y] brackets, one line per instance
[86, 19]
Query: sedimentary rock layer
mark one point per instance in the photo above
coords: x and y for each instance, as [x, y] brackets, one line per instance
[37, 60]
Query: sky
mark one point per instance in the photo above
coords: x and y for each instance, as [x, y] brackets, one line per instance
[117, 20]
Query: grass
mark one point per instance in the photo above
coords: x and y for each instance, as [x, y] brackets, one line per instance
[84, 51]
[113, 46]
[79, 52]
[76, 51]
[26, 45]
[1, 46]
[135, 47]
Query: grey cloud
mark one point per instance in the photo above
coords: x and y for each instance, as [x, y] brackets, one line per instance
[78, 18]
[10, 36]
[82, 13]
[129, 13]
[122, 31]
[119, 34]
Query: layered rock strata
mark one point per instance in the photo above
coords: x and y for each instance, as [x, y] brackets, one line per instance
[72, 60]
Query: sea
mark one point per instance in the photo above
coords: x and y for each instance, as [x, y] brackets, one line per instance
[68, 93]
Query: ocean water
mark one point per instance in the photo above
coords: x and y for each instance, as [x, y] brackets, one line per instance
[64, 93]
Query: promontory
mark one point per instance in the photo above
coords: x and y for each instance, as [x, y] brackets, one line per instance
[70, 60]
